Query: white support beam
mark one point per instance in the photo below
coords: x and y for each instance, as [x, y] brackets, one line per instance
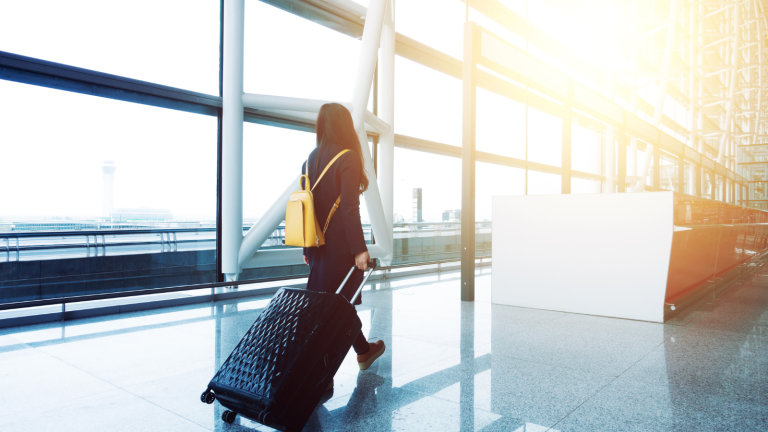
[386, 150]
[232, 138]
[265, 226]
[366, 68]
[284, 103]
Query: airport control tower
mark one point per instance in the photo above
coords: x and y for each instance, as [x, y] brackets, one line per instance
[108, 169]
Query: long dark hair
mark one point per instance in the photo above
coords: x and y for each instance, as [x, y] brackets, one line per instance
[335, 126]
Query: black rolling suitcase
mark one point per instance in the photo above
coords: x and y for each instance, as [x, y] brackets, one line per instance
[280, 369]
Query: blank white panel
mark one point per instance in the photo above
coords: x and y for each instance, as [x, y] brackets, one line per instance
[597, 254]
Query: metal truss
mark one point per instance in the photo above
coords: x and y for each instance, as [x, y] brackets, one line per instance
[707, 59]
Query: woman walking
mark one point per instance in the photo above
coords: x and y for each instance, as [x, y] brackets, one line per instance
[344, 240]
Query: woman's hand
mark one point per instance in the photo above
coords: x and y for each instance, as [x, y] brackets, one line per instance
[306, 261]
[361, 260]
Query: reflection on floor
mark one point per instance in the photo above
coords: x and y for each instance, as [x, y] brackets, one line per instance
[449, 366]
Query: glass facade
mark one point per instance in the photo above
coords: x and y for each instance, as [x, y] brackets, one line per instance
[501, 127]
[116, 155]
[145, 40]
[129, 189]
[545, 137]
[440, 119]
[321, 64]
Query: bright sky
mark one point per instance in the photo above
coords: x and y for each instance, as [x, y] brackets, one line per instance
[53, 142]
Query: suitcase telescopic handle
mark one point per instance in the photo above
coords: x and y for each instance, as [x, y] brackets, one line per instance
[371, 267]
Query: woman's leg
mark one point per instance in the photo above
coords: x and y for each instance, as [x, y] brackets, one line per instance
[367, 353]
[360, 344]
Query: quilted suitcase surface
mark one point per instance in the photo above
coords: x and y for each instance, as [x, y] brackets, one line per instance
[281, 367]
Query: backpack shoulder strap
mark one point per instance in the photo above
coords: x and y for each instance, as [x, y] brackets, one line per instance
[328, 166]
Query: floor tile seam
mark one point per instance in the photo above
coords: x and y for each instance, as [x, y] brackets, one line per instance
[430, 342]
[638, 361]
[41, 408]
[86, 372]
[335, 397]
[165, 409]
[422, 393]
[724, 333]
[20, 345]
[393, 376]
[555, 365]
[552, 428]
[498, 338]
[116, 332]
[655, 346]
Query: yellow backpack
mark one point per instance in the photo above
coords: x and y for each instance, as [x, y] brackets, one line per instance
[301, 226]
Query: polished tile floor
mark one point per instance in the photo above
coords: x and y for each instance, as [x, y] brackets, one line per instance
[450, 366]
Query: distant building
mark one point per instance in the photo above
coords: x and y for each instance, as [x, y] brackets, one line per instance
[452, 215]
[416, 205]
[141, 214]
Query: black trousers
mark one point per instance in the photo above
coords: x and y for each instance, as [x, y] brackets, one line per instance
[360, 344]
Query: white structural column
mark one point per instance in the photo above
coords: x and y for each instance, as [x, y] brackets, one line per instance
[661, 96]
[232, 138]
[386, 151]
[366, 68]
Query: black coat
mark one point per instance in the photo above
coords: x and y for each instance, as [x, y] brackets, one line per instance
[330, 263]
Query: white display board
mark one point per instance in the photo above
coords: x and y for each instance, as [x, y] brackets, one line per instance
[596, 254]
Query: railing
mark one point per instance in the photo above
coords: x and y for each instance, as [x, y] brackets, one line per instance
[45, 268]
[47, 245]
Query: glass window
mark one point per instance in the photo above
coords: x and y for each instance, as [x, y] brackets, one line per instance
[427, 103]
[495, 180]
[582, 186]
[500, 125]
[668, 172]
[758, 190]
[520, 7]
[439, 193]
[545, 137]
[585, 148]
[169, 42]
[436, 23]
[96, 172]
[758, 185]
[690, 178]
[321, 65]
[439, 235]
[605, 172]
[642, 147]
[551, 17]
[271, 156]
[719, 188]
[707, 186]
[540, 183]
[440, 24]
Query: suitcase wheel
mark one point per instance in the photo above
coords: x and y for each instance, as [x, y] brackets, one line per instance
[228, 416]
[208, 397]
